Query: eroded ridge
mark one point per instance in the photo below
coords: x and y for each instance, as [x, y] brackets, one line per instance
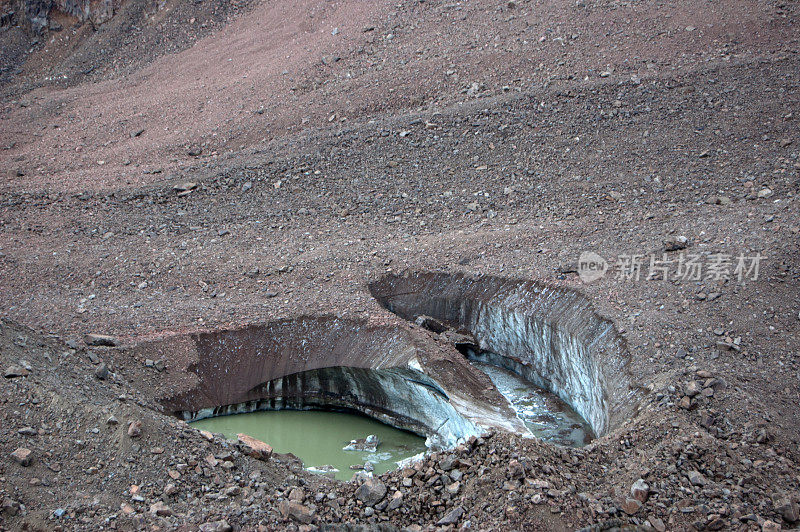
[549, 335]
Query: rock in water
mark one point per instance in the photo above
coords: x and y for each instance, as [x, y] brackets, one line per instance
[368, 444]
[327, 470]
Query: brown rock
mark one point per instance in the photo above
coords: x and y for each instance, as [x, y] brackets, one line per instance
[640, 490]
[216, 526]
[448, 462]
[22, 456]
[100, 340]
[538, 484]
[184, 188]
[253, 447]
[675, 243]
[395, 502]
[453, 488]
[451, 517]
[135, 429]
[657, 523]
[101, 372]
[696, 478]
[631, 506]
[296, 511]
[788, 509]
[14, 371]
[160, 509]
[716, 523]
[9, 506]
[516, 469]
[371, 491]
[431, 324]
[297, 495]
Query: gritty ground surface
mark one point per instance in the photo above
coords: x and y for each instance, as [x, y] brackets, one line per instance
[336, 142]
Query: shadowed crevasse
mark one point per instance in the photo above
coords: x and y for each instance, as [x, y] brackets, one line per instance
[396, 374]
[549, 335]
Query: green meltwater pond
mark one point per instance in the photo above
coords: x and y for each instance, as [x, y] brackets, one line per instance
[317, 438]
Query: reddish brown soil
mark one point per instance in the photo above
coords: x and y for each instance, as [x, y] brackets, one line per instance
[619, 129]
[279, 59]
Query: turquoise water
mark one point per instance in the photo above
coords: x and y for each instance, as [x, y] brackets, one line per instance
[317, 437]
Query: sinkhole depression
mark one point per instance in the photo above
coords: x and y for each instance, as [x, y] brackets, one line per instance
[416, 367]
[391, 372]
[548, 335]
